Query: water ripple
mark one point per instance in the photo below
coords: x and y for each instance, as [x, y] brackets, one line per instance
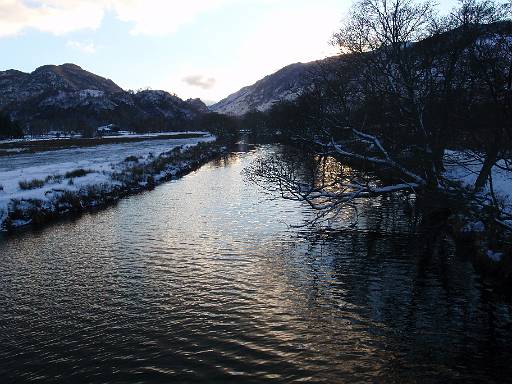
[201, 280]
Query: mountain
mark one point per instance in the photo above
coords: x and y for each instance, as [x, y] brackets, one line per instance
[289, 82]
[198, 105]
[68, 98]
[285, 84]
[16, 86]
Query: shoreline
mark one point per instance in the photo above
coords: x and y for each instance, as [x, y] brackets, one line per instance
[131, 177]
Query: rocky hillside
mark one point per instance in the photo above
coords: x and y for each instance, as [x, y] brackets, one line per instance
[68, 98]
[285, 84]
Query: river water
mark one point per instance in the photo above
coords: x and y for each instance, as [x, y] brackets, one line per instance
[206, 279]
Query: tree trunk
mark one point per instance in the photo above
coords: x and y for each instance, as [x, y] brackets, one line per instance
[490, 159]
[439, 159]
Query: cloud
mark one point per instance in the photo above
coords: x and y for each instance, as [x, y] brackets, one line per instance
[161, 17]
[200, 81]
[84, 47]
[149, 17]
[54, 16]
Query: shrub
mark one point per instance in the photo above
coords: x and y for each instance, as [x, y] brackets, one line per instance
[32, 184]
[77, 173]
[137, 171]
[28, 211]
[131, 159]
[68, 201]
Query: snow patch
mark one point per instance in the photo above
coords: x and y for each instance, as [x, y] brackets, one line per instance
[494, 256]
[475, 227]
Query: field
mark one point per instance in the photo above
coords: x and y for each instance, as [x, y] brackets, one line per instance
[9, 147]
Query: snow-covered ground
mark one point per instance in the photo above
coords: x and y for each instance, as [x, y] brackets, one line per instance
[465, 169]
[155, 134]
[77, 136]
[39, 138]
[51, 167]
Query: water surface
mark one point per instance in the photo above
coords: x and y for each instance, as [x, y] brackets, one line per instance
[204, 280]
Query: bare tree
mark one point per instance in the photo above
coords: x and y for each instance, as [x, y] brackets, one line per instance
[400, 75]
[406, 87]
[471, 13]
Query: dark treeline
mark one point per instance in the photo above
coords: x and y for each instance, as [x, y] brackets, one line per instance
[9, 129]
[226, 128]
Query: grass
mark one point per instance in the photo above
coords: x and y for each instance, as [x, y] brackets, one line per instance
[77, 173]
[31, 184]
[39, 183]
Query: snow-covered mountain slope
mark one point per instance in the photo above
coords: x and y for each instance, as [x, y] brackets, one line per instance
[66, 97]
[288, 83]
[285, 84]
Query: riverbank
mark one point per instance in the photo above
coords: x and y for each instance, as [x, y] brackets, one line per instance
[73, 190]
[9, 147]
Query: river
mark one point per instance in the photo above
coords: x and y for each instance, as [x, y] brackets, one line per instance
[207, 279]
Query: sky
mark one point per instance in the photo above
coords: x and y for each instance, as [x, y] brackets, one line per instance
[193, 48]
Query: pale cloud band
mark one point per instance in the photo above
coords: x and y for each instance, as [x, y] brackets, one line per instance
[57, 17]
[200, 81]
[151, 17]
